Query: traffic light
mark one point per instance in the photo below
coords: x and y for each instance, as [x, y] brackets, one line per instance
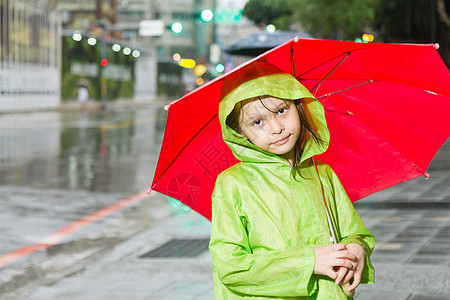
[206, 15]
[104, 62]
[176, 27]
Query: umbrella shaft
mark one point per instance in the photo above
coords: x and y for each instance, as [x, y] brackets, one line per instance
[330, 225]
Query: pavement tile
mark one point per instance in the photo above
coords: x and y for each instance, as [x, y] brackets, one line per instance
[368, 295]
[184, 290]
[425, 260]
[430, 297]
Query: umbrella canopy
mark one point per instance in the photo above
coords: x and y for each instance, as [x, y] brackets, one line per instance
[386, 105]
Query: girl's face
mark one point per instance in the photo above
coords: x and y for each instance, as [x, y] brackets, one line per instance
[271, 124]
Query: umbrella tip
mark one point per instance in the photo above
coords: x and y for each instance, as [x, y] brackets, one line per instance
[426, 175]
[436, 46]
[149, 191]
[296, 39]
[167, 107]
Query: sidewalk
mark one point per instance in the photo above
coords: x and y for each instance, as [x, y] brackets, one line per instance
[411, 258]
[113, 259]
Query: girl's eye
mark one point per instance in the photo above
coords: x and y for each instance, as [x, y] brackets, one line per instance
[282, 110]
[257, 122]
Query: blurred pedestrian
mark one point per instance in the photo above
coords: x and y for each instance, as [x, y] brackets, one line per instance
[83, 96]
[270, 234]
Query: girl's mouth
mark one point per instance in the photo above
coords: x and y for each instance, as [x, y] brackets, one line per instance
[283, 141]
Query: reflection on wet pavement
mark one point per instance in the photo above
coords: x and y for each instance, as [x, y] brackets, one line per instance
[56, 168]
[109, 151]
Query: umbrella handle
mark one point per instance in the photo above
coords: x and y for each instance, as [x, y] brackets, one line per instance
[345, 287]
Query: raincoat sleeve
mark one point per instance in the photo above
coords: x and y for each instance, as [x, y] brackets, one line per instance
[280, 273]
[350, 227]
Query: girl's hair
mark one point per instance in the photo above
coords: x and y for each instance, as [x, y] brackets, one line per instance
[306, 128]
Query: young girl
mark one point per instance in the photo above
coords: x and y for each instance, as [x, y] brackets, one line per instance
[270, 237]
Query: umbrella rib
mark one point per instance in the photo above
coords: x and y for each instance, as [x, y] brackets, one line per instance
[293, 59]
[343, 90]
[184, 147]
[342, 60]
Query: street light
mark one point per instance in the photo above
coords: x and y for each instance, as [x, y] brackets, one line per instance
[77, 37]
[136, 53]
[126, 51]
[116, 47]
[92, 41]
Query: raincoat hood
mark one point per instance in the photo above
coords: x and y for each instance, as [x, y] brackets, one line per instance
[264, 79]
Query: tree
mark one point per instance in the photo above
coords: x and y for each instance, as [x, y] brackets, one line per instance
[415, 21]
[263, 12]
[344, 19]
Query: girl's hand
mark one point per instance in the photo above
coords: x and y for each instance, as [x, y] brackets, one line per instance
[360, 255]
[328, 260]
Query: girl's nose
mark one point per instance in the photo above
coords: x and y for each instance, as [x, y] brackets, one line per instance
[277, 126]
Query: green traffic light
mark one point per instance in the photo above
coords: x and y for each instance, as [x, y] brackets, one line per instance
[206, 15]
[176, 27]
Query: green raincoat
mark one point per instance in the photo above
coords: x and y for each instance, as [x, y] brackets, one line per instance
[265, 223]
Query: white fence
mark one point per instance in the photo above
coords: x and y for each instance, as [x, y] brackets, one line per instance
[29, 75]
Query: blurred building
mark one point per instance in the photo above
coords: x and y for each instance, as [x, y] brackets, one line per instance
[28, 55]
[231, 26]
[156, 72]
[32, 40]
[115, 26]
[192, 42]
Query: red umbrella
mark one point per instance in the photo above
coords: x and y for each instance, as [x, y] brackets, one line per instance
[387, 108]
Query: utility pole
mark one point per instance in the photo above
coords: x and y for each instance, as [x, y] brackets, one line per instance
[99, 9]
[103, 53]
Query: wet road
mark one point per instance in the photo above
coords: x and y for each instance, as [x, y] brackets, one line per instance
[57, 167]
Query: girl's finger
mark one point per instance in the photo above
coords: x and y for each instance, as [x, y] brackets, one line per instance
[332, 274]
[356, 281]
[346, 255]
[338, 247]
[344, 263]
[340, 275]
[348, 276]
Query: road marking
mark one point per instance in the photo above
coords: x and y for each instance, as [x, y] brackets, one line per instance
[58, 236]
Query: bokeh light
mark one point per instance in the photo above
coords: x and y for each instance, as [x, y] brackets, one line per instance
[220, 68]
[177, 27]
[176, 57]
[126, 51]
[92, 41]
[199, 81]
[136, 53]
[116, 47]
[270, 28]
[77, 36]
